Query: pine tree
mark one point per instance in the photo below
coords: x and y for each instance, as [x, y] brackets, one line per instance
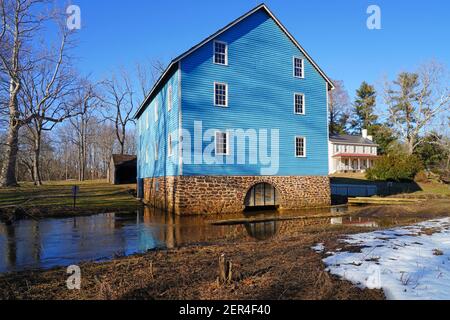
[364, 108]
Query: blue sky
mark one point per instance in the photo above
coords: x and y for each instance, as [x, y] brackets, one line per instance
[121, 33]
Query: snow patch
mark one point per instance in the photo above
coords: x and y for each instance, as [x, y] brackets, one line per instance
[318, 248]
[410, 262]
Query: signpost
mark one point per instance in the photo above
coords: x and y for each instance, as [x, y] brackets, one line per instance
[75, 190]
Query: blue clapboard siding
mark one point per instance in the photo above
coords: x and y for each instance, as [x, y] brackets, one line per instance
[261, 90]
[158, 132]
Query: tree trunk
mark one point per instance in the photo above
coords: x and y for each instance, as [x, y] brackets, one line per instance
[8, 176]
[36, 161]
[8, 172]
[410, 142]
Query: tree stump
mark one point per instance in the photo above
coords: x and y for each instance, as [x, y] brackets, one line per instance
[225, 271]
[151, 270]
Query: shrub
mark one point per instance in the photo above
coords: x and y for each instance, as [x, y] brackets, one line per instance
[395, 167]
[421, 176]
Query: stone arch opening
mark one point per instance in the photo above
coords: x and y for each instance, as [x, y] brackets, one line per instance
[262, 195]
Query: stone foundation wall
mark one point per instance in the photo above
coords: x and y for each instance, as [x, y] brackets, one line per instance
[226, 194]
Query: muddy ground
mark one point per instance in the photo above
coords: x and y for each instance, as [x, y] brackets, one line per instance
[284, 267]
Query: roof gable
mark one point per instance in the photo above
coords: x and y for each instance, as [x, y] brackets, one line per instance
[174, 64]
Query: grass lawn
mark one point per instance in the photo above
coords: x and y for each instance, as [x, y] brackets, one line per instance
[54, 197]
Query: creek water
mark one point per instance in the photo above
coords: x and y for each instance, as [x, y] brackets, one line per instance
[51, 242]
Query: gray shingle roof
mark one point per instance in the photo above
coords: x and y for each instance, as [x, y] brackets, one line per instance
[121, 159]
[345, 138]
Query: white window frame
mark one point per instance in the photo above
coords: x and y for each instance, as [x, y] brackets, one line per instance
[304, 146]
[169, 97]
[226, 94]
[156, 110]
[227, 143]
[303, 106]
[169, 146]
[294, 67]
[226, 53]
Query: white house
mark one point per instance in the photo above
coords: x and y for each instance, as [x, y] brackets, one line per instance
[350, 153]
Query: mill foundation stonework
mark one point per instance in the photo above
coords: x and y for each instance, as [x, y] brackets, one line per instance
[186, 195]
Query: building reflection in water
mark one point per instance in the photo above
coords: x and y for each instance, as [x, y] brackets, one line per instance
[49, 243]
[263, 230]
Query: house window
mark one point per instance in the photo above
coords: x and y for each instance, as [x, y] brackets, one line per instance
[298, 67]
[220, 94]
[299, 103]
[354, 149]
[345, 149]
[220, 53]
[222, 145]
[156, 111]
[300, 147]
[169, 146]
[169, 98]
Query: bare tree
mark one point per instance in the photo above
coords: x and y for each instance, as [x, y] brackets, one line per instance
[86, 104]
[415, 100]
[46, 97]
[442, 140]
[120, 100]
[339, 103]
[20, 22]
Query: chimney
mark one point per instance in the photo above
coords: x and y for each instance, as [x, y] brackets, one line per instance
[370, 138]
[364, 133]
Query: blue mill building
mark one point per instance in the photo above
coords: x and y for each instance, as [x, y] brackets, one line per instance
[239, 120]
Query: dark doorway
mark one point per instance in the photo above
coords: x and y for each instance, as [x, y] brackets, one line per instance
[262, 195]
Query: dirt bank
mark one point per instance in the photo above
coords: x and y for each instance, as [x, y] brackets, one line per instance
[282, 268]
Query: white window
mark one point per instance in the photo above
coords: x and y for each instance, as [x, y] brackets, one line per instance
[299, 103]
[156, 110]
[169, 146]
[220, 53]
[298, 67]
[220, 94]
[169, 98]
[345, 149]
[156, 151]
[222, 143]
[300, 147]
